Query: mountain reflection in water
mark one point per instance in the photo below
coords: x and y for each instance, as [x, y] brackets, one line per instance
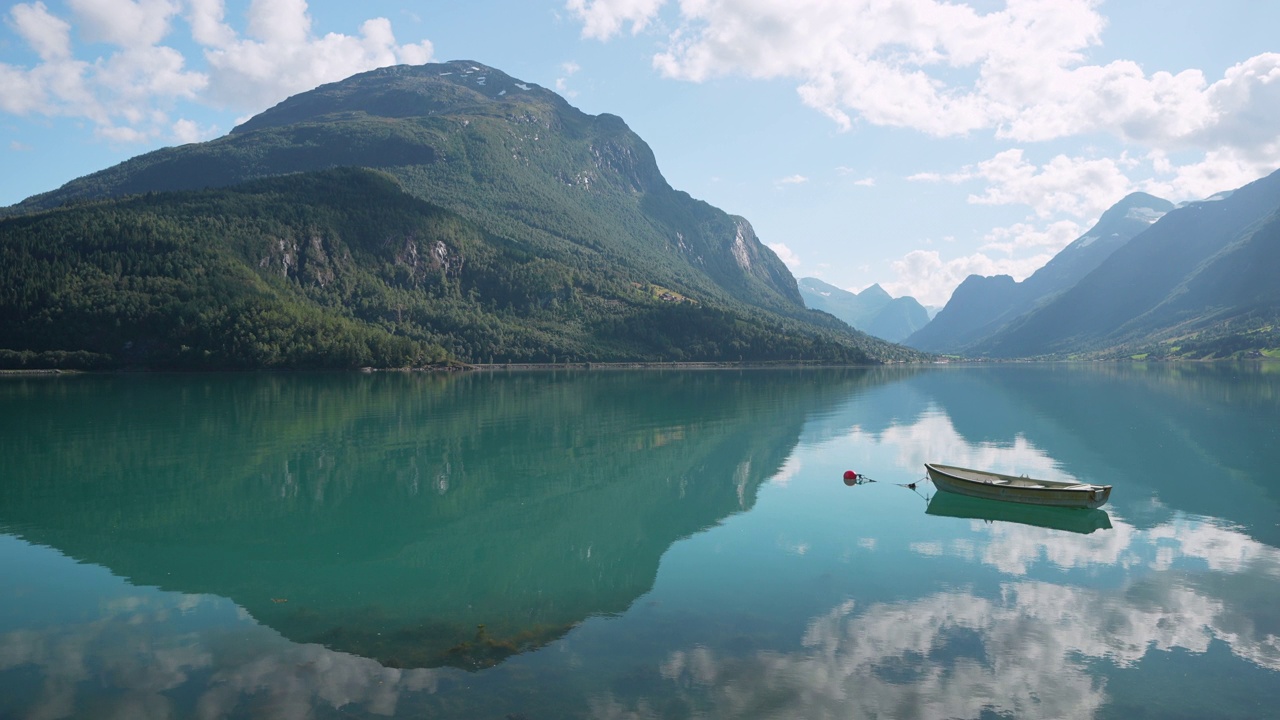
[637, 545]
[419, 520]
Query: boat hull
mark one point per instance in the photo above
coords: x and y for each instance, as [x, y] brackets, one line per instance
[1010, 488]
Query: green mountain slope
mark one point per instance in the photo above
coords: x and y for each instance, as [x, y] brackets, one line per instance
[981, 306]
[521, 163]
[339, 269]
[1204, 275]
[551, 198]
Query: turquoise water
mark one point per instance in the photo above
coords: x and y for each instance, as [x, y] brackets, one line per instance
[639, 544]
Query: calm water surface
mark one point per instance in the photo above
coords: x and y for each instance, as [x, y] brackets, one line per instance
[653, 544]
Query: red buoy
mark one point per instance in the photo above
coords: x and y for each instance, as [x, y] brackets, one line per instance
[850, 475]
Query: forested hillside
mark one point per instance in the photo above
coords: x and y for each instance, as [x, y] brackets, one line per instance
[340, 269]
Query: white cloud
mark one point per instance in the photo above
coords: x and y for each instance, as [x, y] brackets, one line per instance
[602, 19]
[947, 69]
[281, 57]
[125, 23]
[927, 177]
[1247, 100]
[886, 62]
[129, 93]
[1021, 236]
[121, 134]
[205, 18]
[188, 131]
[1218, 171]
[48, 36]
[1075, 186]
[865, 182]
[136, 77]
[121, 91]
[279, 22]
[24, 92]
[569, 68]
[924, 275]
[793, 180]
[1075, 190]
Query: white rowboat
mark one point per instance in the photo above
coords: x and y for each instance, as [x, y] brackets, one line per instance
[1013, 488]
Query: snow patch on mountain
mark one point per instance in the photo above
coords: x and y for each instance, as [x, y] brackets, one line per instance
[1145, 214]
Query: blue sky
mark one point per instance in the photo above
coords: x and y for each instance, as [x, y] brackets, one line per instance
[901, 142]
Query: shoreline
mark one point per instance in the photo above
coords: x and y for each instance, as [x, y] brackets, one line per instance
[637, 365]
[655, 365]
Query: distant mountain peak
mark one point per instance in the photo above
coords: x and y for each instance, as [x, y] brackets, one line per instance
[980, 306]
[400, 91]
[1136, 206]
[873, 311]
[875, 291]
[1198, 283]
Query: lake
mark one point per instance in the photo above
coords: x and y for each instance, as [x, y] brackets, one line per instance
[638, 544]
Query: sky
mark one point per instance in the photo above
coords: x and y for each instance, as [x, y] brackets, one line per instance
[908, 143]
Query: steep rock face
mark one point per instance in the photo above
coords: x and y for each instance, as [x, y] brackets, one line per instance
[757, 263]
[511, 156]
[989, 304]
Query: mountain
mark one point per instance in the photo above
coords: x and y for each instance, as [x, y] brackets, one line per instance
[500, 223]
[981, 306]
[872, 311]
[1199, 282]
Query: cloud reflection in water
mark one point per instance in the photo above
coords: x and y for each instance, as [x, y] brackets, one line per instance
[1035, 650]
[135, 650]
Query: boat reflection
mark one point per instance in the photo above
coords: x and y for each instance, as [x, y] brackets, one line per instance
[1076, 520]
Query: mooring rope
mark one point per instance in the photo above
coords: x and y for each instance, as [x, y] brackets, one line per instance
[852, 479]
